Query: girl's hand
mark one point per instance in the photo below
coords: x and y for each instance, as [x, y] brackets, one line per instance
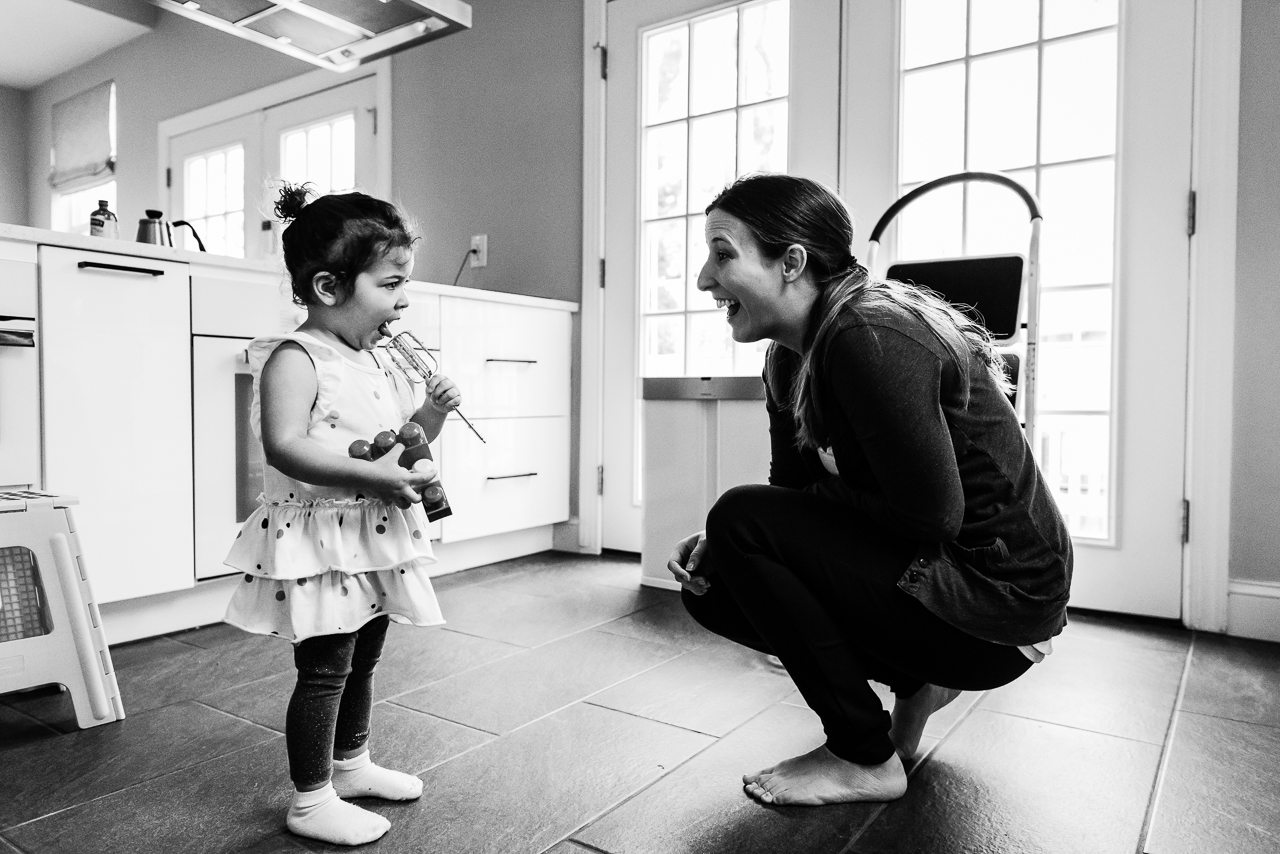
[443, 394]
[394, 484]
[684, 560]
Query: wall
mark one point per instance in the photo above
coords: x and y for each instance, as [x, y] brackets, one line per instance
[13, 156]
[1255, 490]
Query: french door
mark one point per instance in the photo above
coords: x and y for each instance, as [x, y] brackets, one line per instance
[699, 93]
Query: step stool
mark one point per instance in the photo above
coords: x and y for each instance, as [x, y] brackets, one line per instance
[50, 628]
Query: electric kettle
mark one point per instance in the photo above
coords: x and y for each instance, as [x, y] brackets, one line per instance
[153, 229]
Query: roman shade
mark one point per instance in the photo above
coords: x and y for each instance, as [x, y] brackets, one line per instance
[82, 137]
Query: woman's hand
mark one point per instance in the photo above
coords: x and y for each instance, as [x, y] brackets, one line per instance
[390, 482]
[684, 560]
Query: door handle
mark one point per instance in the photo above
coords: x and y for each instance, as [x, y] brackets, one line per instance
[519, 361]
[509, 476]
[120, 267]
[17, 338]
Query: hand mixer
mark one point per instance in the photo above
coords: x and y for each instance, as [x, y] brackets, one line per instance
[403, 349]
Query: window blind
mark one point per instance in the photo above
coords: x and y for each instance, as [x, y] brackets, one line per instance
[83, 144]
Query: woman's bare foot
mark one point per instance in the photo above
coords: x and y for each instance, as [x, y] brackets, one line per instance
[910, 714]
[820, 777]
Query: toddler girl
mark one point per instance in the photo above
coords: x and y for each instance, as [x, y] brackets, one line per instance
[337, 545]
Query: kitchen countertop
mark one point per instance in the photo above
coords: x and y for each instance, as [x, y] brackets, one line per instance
[24, 234]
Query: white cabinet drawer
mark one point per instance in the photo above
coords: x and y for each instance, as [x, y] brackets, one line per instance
[519, 479]
[17, 288]
[242, 303]
[508, 360]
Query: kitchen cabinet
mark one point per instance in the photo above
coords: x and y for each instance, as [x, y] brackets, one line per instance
[19, 368]
[116, 405]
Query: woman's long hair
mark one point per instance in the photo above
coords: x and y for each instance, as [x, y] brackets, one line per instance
[781, 211]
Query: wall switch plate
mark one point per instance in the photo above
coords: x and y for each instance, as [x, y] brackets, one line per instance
[480, 243]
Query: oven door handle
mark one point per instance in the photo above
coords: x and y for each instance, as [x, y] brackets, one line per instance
[17, 338]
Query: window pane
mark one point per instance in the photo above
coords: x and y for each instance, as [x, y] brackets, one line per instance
[1076, 246]
[1074, 369]
[997, 221]
[748, 359]
[715, 64]
[995, 24]
[765, 57]
[344, 153]
[932, 123]
[193, 201]
[667, 75]
[711, 162]
[235, 234]
[762, 138]
[216, 192]
[1002, 111]
[664, 345]
[1072, 16]
[664, 265]
[216, 238]
[710, 345]
[930, 226]
[932, 31]
[1079, 115]
[235, 178]
[1075, 456]
[664, 170]
[294, 157]
[698, 300]
[319, 170]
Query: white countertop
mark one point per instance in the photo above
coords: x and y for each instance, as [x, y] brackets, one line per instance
[41, 236]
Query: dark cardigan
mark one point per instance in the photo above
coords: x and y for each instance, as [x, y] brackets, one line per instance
[932, 451]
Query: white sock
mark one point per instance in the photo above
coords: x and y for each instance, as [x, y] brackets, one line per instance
[323, 815]
[358, 777]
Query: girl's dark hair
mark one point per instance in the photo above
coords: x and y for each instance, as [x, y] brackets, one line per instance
[341, 233]
[781, 211]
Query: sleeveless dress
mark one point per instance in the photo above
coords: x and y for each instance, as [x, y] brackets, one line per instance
[320, 560]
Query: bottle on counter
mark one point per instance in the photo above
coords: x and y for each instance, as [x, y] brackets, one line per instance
[103, 223]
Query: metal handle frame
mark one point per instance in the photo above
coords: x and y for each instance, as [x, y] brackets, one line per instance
[1031, 275]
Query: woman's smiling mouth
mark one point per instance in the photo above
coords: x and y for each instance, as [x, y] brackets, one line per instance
[730, 304]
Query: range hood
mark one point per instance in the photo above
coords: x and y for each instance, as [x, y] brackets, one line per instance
[334, 34]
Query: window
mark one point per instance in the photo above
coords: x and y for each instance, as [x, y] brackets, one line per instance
[323, 154]
[69, 212]
[714, 105]
[1027, 88]
[83, 158]
[214, 200]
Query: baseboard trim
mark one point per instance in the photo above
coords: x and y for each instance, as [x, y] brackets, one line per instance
[1253, 609]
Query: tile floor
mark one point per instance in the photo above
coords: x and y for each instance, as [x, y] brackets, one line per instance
[565, 709]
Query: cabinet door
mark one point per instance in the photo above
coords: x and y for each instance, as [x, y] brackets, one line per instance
[115, 349]
[19, 377]
[228, 459]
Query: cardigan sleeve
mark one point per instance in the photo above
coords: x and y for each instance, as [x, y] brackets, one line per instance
[887, 387]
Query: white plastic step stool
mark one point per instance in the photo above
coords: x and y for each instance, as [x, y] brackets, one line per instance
[50, 629]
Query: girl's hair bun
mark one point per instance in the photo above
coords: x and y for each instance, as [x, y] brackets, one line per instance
[293, 198]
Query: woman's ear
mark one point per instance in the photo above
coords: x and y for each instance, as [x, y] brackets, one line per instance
[794, 261]
[325, 287]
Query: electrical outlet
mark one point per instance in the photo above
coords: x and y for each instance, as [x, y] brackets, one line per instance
[479, 243]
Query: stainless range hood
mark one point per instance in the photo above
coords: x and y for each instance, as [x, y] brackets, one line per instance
[334, 34]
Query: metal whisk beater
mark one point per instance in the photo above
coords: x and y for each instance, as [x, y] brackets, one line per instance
[403, 349]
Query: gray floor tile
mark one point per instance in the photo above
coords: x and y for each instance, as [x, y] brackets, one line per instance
[1221, 791]
[1126, 629]
[194, 672]
[17, 730]
[7, 848]
[282, 844]
[940, 722]
[666, 622]
[570, 847]
[264, 702]
[49, 704]
[218, 807]
[1105, 687]
[528, 619]
[526, 791]
[143, 652]
[412, 742]
[66, 770]
[506, 694]
[1017, 786]
[713, 689]
[701, 807]
[548, 576]
[1234, 678]
[207, 637]
[414, 657]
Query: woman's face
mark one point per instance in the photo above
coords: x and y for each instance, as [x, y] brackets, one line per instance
[745, 283]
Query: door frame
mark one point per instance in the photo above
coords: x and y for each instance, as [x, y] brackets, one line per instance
[279, 93]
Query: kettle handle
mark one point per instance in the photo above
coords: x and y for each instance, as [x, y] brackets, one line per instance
[194, 233]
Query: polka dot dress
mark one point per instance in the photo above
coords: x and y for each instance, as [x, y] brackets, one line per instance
[325, 560]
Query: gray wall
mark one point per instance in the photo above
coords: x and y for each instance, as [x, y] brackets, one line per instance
[1255, 488]
[13, 156]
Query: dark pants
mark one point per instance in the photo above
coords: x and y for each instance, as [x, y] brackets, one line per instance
[331, 702]
[807, 579]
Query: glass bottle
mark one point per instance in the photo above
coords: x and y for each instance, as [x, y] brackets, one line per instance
[103, 223]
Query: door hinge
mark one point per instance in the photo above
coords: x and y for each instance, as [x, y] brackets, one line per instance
[1191, 213]
[602, 272]
[168, 176]
[599, 480]
[1186, 521]
[604, 60]
[374, 113]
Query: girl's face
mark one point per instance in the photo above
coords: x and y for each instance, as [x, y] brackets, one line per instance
[377, 299]
[745, 283]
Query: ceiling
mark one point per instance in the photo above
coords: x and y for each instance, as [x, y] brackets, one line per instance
[41, 39]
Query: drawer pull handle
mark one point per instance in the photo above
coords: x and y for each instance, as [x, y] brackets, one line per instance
[509, 476]
[120, 267]
[519, 361]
